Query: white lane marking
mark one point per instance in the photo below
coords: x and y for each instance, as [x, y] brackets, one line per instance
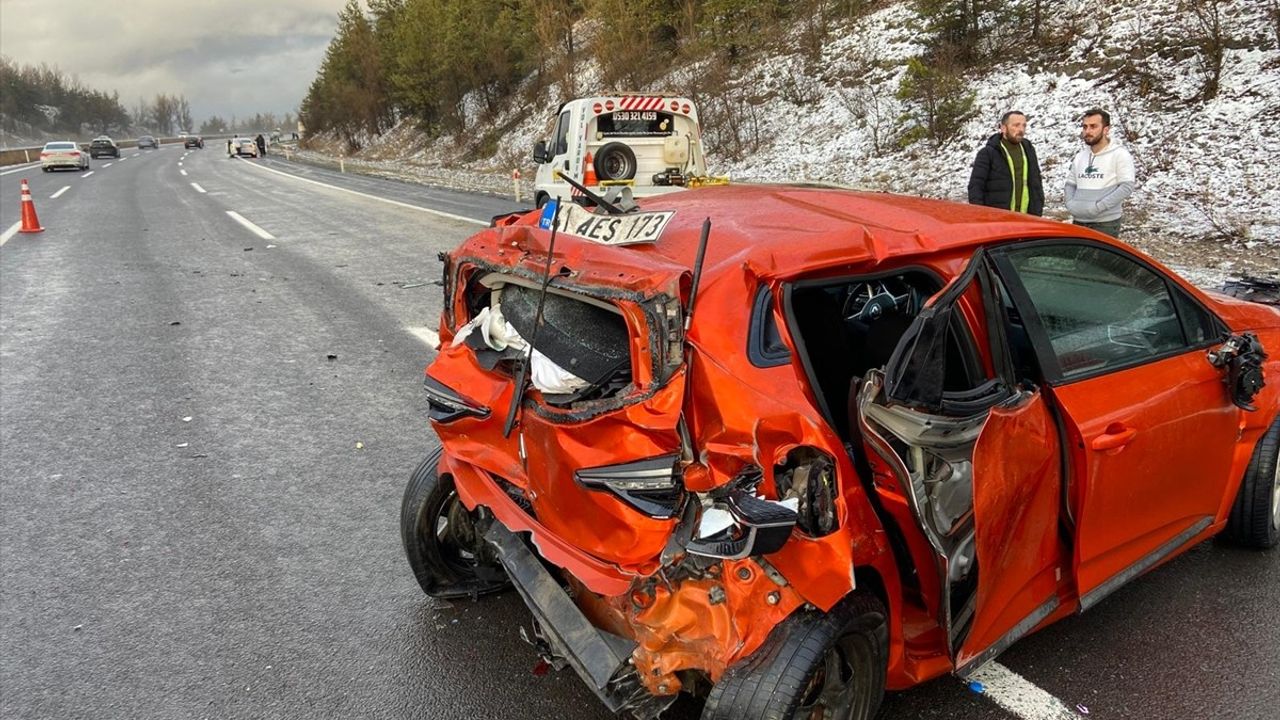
[123, 159]
[108, 165]
[59, 193]
[451, 216]
[252, 228]
[426, 335]
[184, 173]
[13, 230]
[179, 164]
[88, 173]
[1019, 696]
[20, 168]
[198, 188]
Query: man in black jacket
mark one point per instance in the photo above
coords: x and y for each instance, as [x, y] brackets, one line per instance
[1006, 173]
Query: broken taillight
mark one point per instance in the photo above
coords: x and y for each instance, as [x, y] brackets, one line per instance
[651, 486]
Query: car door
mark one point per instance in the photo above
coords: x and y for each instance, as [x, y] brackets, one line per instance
[998, 561]
[1150, 423]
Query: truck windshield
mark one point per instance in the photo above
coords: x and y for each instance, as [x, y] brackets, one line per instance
[635, 123]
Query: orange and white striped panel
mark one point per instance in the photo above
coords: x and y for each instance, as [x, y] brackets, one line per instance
[638, 102]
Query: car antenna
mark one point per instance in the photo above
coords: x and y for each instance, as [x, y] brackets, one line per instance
[608, 206]
[522, 374]
[697, 270]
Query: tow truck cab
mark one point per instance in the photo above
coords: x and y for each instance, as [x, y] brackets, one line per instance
[650, 143]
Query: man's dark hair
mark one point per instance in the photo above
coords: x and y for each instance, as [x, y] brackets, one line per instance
[1106, 116]
[1005, 117]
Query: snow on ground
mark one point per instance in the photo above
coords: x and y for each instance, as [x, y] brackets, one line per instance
[1208, 200]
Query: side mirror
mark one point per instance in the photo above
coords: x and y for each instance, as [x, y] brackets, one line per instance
[540, 152]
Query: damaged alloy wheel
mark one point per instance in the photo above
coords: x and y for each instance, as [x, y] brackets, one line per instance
[446, 551]
[814, 666]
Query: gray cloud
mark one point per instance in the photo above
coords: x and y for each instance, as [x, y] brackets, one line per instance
[228, 57]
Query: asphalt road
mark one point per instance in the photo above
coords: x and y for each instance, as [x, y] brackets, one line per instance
[205, 434]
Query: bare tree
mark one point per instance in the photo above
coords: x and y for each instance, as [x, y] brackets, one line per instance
[1210, 35]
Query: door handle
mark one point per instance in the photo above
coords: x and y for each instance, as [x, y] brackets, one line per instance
[1114, 437]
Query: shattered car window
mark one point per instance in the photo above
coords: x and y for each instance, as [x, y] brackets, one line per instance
[1098, 308]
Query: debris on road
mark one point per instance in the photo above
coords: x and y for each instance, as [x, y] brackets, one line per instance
[187, 419]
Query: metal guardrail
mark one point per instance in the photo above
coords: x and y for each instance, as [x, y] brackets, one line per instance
[17, 156]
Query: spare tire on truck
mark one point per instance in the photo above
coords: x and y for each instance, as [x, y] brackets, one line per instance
[615, 161]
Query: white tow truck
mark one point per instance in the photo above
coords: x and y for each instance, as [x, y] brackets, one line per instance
[650, 143]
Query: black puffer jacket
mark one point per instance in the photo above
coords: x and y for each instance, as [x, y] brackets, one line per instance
[991, 183]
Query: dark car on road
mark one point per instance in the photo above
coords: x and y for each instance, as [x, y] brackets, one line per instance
[103, 146]
[787, 447]
[193, 141]
[146, 141]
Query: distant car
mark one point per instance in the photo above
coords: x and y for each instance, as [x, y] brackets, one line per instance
[62, 154]
[103, 146]
[245, 146]
[193, 141]
[146, 141]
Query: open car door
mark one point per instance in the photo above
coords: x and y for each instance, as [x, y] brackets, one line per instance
[981, 469]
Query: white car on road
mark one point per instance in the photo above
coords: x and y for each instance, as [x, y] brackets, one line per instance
[60, 154]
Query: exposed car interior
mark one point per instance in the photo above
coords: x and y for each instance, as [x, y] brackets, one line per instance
[848, 326]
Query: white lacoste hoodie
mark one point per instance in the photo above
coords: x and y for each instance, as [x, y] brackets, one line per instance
[1098, 184]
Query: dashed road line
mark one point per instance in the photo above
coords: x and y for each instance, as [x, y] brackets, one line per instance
[184, 173]
[13, 230]
[197, 187]
[179, 164]
[451, 216]
[1020, 696]
[251, 227]
[108, 165]
[59, 193]
[428, 336]
[88, 173]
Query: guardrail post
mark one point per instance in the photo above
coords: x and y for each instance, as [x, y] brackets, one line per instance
[342, 163]
[515, 181]
[26, 154]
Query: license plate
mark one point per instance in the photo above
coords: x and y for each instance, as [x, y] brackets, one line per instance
[628, 229]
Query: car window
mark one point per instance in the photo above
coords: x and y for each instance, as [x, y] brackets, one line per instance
[60, 146]
[562, 134]
[1099, 308]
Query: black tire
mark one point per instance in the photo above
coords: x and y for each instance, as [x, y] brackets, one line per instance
[615, 161]
[1255, 516]
[790, 676]
[541, 199]
[447, 555]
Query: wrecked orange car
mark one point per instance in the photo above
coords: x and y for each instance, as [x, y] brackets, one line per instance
[789, 447]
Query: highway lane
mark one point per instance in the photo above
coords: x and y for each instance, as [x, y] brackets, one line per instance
[198, 504]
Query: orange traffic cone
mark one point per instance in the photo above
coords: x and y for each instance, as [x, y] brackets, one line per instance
[589, 172]
[30, 223]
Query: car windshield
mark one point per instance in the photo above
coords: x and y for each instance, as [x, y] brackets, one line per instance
[60, 146]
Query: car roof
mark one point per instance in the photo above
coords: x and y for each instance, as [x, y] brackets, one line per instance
[59, 143]
[781, 231]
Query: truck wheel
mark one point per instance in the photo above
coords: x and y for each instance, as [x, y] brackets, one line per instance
[1255, 517]
[444, 548]
[814, 664]
[541, 199]
[615, 161]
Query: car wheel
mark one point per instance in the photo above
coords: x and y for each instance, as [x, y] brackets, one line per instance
[1255, 517]
[441, 541]
[814, 665]
[615, 161]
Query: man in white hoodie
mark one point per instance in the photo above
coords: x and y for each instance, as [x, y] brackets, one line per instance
[1102, 176]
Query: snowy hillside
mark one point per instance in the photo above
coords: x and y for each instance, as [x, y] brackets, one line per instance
[1209, 187]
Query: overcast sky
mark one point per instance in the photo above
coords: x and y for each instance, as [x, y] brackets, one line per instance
[226, 56]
